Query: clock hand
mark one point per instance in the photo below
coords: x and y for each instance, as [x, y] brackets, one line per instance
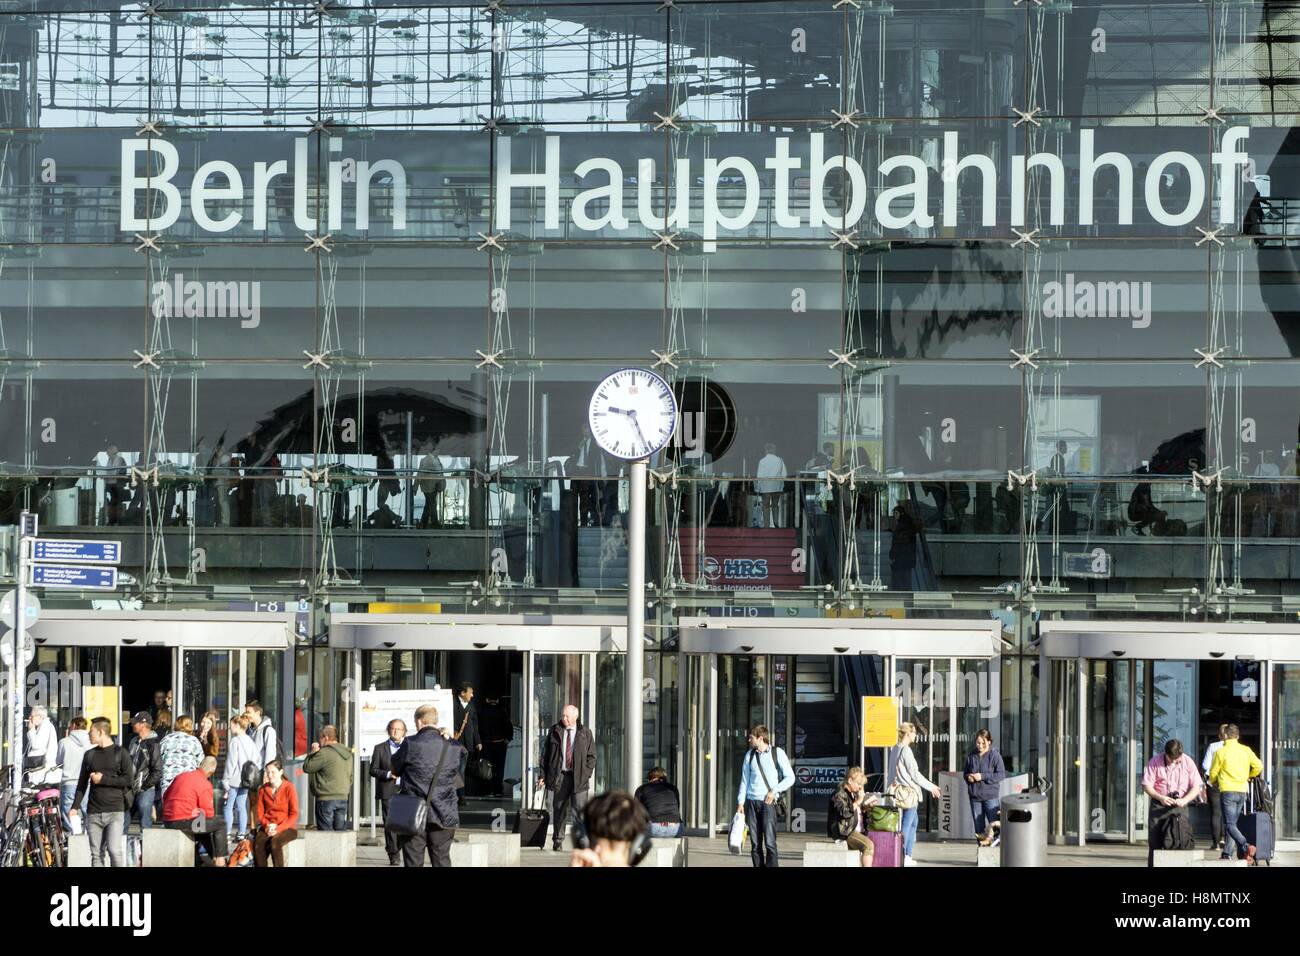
[620, 411]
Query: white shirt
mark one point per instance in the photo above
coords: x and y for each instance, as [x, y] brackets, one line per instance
[566, 759]
[770, 466]
[1210, 751]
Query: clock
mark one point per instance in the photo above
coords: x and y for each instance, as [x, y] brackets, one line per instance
[633, 413]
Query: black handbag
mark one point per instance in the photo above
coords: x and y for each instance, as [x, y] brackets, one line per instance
[408, 813]
[779, 805]
[482, 769]
[250, 776]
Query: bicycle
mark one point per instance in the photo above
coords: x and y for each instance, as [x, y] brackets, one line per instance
[33, 833]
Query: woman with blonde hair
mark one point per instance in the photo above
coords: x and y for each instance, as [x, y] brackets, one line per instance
[845, 818]
[906, 786]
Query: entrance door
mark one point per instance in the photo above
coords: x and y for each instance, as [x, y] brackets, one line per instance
[555, 681]
[1283, 757]
[142, 671]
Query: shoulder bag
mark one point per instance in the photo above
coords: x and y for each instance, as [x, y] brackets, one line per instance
[779, 805]
[903, 795]
[408, 813]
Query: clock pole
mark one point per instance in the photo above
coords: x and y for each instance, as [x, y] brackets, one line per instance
[635, 622]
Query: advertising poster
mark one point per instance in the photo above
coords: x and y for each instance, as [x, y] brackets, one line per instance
[737, 559]
[377, 707]
[103, 702]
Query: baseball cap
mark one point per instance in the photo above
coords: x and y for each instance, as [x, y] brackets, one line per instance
[142, 718]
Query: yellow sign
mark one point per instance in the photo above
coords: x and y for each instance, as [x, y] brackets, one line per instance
[389, 607]
[879, 721]
[102, 702]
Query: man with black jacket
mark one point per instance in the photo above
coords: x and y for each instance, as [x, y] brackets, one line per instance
[426, 765]
[145, 751]
[568, 760]
[464, 726]
[107, 772]
[381, 769]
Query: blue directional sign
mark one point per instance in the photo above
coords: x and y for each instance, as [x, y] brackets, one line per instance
[89, 552]
[73, 576]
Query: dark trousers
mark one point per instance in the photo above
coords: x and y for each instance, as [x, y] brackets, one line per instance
[272, 845]
[760, 817]
[565, 802]
[436, 839]
[331, 814]
[496, 752]
[1216, 814]
[392, 842]
[211, 835]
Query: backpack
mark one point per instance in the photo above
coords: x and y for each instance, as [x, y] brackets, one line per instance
[242, 854]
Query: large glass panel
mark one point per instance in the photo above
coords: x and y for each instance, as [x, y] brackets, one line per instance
[1285, 707]
[558, 681]
[744, 697]
[610, 723]
[1110, 685]
[921, 685]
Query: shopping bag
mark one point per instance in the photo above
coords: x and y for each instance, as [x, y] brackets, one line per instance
[736, 839]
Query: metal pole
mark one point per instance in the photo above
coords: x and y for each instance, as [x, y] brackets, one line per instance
[1081, 702]
[635, 621]
[17, 671]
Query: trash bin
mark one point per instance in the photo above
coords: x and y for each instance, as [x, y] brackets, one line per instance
[1024, 829]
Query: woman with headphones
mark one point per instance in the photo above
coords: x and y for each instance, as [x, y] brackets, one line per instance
[615, 831]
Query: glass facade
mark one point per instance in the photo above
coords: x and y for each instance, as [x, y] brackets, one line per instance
[972, 310]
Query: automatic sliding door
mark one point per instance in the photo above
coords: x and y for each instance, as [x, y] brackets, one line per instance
[1285, 755]
[744, 699]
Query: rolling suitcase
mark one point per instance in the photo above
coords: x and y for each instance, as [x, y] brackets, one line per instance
[1256, 824]
[531, 826]
[888, 846]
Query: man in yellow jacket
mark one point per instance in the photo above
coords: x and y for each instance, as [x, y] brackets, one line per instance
[1234, 764]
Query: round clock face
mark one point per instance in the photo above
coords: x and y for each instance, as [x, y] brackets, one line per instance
[633, 413]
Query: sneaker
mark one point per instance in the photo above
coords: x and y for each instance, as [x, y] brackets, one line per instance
[908, 861]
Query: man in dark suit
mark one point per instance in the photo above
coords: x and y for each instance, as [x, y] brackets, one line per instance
[568, 760]
[464, 727]
[381, 769]
[426, 765]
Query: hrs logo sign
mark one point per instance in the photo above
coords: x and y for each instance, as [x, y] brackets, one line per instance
[736, 569]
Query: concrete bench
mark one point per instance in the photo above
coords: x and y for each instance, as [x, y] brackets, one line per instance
[160, 847]
[469, 854]
[295, 851]
[503, 848]
[831, 854]
[988, 856]
[666, 852]
[1185, 858]
[328, 847]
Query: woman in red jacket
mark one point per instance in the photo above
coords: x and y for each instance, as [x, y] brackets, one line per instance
[277, 814]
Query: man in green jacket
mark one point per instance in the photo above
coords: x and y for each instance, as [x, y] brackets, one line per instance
[330, 767]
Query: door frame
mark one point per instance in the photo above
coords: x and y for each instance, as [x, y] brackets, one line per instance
[530, 634]
[888, 638]
[1085, 641]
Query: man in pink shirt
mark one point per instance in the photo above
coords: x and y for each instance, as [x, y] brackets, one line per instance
[1171, 781]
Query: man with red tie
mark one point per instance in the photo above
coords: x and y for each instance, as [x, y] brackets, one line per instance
[568, 760]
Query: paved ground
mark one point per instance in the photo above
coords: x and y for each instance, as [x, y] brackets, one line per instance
[705, 852]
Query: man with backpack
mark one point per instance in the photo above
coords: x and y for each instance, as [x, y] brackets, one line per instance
[108, 775]
[765, 775]
[1172, 782]
[268, 746]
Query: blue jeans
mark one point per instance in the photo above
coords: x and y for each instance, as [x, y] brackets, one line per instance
[1233, 805]
[331, 814]
[236, 810]
[143, 808]
[66, 792]
[666, 831]
[761, 820]
[984, 812]
[910, 821]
